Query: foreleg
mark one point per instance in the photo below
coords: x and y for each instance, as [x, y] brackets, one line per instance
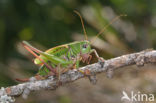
[97, 55]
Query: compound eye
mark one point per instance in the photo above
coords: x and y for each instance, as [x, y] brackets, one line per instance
[84, 45]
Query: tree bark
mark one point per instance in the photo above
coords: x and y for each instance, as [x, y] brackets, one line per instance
[139, 59]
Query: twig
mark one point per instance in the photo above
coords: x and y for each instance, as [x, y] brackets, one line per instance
[140, 58]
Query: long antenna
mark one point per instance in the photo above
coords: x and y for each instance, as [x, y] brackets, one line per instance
[86, 38]
[115, 19]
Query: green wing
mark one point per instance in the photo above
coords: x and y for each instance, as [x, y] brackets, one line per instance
[56, 51]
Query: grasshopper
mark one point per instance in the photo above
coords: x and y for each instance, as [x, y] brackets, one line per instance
[60, 59]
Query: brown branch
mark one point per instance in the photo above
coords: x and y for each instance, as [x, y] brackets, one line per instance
[140, 58]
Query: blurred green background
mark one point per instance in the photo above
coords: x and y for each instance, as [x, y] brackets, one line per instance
[48, 23]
